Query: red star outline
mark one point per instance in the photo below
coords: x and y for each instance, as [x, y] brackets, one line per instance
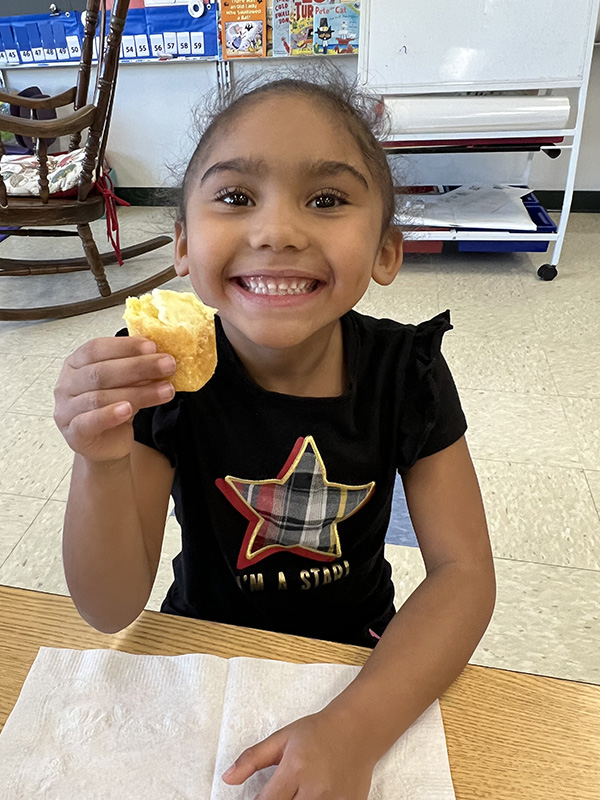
[247, 557]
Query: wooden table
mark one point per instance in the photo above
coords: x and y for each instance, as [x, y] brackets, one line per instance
[510, 736]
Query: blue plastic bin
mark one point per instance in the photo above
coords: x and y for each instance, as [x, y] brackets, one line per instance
[544, 225]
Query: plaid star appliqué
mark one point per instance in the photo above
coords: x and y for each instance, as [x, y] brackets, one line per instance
[298, 511]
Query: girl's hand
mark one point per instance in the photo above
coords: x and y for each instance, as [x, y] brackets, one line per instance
[317, 760]
[100, 388]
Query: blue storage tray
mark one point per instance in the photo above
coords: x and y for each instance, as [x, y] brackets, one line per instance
[544, 225]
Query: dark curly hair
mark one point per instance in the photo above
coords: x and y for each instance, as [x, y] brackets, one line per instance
[361, 114]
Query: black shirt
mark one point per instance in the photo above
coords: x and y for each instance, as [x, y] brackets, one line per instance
[284, 501]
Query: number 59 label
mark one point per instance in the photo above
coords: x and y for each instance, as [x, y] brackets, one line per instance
[197, 38]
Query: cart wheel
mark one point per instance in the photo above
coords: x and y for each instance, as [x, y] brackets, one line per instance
[547, 272]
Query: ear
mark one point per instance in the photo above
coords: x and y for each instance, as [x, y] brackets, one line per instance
[181, 254]
[389, 257]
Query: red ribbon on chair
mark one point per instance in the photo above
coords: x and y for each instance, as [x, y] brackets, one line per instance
[106, 189]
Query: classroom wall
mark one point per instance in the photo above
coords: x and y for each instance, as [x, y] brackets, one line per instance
[152, 126]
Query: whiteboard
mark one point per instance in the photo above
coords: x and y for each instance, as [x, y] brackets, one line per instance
[440, 45]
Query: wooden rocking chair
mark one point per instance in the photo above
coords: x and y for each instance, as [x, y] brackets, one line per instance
[89, 203]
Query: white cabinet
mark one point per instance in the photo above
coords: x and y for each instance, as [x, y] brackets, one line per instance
[434, 58]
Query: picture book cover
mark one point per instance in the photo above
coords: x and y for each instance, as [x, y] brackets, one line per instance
[336, 28]
[243, 28]
[281, 28]
[301, 28]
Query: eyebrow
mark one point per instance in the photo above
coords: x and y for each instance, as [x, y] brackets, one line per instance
[251, 166]
[332, 168]
[258, 167]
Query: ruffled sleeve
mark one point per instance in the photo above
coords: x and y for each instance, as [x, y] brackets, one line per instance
[431, 418]
[157, 427]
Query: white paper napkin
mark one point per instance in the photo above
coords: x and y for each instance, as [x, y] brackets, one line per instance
[105, 725]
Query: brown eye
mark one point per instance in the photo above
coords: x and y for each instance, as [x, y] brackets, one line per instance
[326, 201]
[237, 199]
[329, 198]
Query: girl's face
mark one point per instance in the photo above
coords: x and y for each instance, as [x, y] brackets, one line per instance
[283, 224]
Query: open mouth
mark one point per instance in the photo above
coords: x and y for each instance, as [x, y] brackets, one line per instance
[277, 286]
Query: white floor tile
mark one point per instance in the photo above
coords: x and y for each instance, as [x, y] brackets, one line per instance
[546, 620]
[36, 562]
[540, 514]
[531, 429]
[16, 515]
[508, 364]
[575, 369]
[164, 576]
[593, 479]
[583, 415]
[38, 398]
[17, 373]
[62, 490]
[34, 457]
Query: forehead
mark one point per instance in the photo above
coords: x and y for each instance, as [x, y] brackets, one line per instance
[286, 130]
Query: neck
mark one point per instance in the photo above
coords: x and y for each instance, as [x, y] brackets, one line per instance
[314, 368]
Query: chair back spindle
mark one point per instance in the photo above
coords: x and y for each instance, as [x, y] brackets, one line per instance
[85, 65]
[41, 151]
[3, 195]
[95, 145]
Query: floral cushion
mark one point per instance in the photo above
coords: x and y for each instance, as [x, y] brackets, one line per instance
[21, 177]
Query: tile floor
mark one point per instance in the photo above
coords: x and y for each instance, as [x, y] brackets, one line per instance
[526, 358]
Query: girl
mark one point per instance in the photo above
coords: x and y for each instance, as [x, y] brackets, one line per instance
[282, 466]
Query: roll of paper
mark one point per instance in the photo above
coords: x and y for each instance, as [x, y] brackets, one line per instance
[431, 114]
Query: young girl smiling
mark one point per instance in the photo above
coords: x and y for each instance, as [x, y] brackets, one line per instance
[282, 467]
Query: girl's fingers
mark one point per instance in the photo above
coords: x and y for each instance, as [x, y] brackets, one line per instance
[87, 427]
[119, 372]
[108, 347]
[152, 394]
[264, 754]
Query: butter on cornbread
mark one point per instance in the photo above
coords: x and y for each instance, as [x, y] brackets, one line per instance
[179, 324]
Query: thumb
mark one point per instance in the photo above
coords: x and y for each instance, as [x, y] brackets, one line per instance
[264, 754]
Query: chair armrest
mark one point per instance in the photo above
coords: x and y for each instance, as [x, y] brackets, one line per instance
[49, 128]
[56, 101]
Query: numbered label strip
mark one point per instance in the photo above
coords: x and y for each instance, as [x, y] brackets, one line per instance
[160, 29]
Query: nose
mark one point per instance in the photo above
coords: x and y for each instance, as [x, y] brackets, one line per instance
[278, 226]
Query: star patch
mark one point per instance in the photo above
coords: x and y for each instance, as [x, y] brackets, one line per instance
[298, 511]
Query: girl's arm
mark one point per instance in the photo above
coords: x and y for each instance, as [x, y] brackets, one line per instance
[433, 635]
[117, 506]
[113, 533]
[424, 648]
